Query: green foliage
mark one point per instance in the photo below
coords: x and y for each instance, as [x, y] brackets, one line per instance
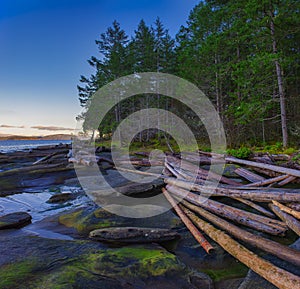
[241, 153]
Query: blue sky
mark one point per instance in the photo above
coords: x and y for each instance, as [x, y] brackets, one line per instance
[44, 49]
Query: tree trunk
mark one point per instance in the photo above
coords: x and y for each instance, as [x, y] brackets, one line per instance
[279, 81]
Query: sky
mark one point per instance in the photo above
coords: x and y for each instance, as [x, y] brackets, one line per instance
[44, 47]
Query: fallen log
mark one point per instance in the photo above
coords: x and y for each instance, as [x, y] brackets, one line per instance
[289, 179]
[267, 181]
[291, 222]
[43, 159]
[275, 275]
[284, 252]
[256, 207]
[294, 206]
[197, 171]
[194, 231]
[258, 195]
[288, 210]
[278, 169]
[248, 219]
[250, 176]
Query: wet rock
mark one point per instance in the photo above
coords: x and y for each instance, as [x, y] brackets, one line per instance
[133, 235]
[32, 262]
[88, 219]
[61, 198]
[14, 220]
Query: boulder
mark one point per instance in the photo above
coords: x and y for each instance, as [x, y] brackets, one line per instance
[14, 220]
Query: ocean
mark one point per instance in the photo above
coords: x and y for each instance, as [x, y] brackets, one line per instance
[19, 145]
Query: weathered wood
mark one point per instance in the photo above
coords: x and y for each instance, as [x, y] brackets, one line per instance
[250, 176]
[133, 235]
[294, 206]
[278, 169]
[248, 219]
[194, 231]
[292, 223]
[284, 182]
[284, 252]
[256, 207]
[277, 276]
[267, 181]
[43, 159]
[197, 171]
[288, 210]
[259, 195]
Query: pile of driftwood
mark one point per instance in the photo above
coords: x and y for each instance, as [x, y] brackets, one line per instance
[274, 210]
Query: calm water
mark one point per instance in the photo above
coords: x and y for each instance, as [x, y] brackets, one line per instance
[17, 145]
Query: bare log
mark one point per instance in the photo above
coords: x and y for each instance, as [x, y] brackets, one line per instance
[259, 195]
[196, 170]
[195, 232]
[278, 169]
[277, 276]
[289, 179]
[294, 206]
[284, 252]
[250, 176]
[248, 219]
[292, 223]
[256, 207]
[43, 159]
[267, 181]
[288, 210]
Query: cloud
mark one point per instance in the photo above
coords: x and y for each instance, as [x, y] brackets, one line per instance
[52, 128]
[11, 126]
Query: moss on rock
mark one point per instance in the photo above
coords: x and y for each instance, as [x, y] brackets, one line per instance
[83, 222]
[136, 261]
[12, 274]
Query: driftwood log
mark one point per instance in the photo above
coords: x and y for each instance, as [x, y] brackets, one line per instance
[291, 222]
[277, 276]
[284, 252]
[248, 219]
[194, 231]
[260, 195]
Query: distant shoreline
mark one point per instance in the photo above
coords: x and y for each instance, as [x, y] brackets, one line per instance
[47, 137]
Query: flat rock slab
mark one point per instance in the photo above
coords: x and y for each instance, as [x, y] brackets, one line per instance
[133, 235]
[14, 220]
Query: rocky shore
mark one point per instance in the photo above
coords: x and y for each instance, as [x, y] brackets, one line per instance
[53, 236]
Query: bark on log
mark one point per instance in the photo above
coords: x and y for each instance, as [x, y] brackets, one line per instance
[284, 252]
[292, 223]
[255, 195]
[195, 232]
[277, 276]
[248, 219]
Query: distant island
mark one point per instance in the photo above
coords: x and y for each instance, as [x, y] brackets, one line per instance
[47, 137]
